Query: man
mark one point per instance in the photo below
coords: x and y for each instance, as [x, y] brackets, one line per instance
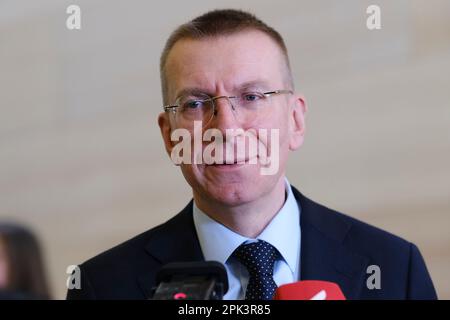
[226, 70]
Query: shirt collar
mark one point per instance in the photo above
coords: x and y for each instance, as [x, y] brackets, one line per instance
[283, 232]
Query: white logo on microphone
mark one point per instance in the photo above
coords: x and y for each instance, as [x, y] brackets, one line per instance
[321, 295]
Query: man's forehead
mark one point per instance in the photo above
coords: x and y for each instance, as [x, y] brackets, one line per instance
[235, 42]
[240, 76]
[233, 59]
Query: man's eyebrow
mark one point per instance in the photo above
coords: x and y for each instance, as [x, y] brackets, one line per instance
[193, 91]
[254, 84]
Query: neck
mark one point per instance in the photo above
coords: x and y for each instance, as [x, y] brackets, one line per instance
[247, 219]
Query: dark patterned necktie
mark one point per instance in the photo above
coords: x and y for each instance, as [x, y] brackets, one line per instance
[259, 259]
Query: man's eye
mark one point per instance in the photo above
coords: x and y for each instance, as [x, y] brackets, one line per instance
[252, 97]
[194, 104]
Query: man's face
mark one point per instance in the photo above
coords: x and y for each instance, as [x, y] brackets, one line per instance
[229, 65]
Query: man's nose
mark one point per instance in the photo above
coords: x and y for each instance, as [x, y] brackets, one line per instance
[225, 115]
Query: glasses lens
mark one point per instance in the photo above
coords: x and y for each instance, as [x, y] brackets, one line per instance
[251, 105]
[194, 108]
[252, 100]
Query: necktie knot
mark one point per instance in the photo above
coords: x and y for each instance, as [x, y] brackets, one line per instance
[259, 259]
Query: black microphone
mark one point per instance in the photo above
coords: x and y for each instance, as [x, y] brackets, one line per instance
[203, 280]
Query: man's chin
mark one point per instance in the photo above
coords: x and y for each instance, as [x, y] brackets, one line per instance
[231, 195]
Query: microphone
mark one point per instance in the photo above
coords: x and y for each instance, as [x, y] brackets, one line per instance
[309, 290]
[203, 280]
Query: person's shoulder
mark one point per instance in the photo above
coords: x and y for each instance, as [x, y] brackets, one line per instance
[133, 249]
[116, 273]
[403, 269]
[352, 231]
[368, 234]
[126, 249]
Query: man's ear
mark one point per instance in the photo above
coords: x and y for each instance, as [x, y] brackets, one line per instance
[166, 130]
[297, 120]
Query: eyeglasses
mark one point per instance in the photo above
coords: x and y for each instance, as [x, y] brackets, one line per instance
[201, 107]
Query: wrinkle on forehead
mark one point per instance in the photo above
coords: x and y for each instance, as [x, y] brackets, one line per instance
[207, 82]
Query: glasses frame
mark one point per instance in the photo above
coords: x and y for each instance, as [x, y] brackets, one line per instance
[174, 107]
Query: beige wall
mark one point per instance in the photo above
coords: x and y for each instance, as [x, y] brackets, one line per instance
[81, 160]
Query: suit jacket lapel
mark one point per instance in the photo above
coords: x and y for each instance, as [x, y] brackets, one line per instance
[324, 255]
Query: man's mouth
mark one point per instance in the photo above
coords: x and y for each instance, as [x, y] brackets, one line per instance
[235, 163]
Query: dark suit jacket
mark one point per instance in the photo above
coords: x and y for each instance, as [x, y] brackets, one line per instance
[334, 247]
